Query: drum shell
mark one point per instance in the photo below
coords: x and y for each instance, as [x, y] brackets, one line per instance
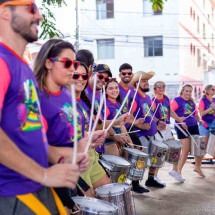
[211, 144]
[200, 149]
[174, 151]
[138, 160]
[157, 154]
[86, 206]
[146, 144]
[118, 194]
[118, 172]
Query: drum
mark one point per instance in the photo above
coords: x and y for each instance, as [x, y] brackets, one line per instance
[146, 144]
[157, 154]
[138, 160]
[119, 195]
[174, 151]
[211, 144]
[198, 146]
[117, 167]
[88, 206]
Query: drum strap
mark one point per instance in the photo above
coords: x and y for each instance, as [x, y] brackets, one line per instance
[160, 133]
[147, 137]
[37, 206]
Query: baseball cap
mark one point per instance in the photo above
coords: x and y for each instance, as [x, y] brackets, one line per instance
[100, 68]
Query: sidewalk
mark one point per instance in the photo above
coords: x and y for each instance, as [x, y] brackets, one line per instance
[196, 196]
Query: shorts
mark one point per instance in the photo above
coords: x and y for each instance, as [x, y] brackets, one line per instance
[193, 130]
[11, 205]
[111, 141]
[95, 171]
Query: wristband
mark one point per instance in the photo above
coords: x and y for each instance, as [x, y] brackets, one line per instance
[61, 159]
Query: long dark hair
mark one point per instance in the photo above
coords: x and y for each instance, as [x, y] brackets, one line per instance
[52, 48]
[118, 99]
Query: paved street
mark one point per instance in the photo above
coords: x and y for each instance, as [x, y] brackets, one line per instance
[194, 197]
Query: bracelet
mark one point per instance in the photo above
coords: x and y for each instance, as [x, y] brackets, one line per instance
[44, 176]
[61, 159]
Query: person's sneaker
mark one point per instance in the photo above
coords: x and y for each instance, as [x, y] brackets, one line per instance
[175, 174]
[160, 181]
[138, 188]
[151, 182]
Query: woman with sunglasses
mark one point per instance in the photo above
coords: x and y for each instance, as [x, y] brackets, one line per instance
[54, 67]
[95, 175]
[161, 104]
[184, 106]
[113, 103]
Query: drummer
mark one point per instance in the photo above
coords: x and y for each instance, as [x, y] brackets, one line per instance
[207, 112]
[184, 106]
[146, 124]
[126, 74]
[161, 102]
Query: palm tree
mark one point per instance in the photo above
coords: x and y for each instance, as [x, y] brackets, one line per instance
[48, 24]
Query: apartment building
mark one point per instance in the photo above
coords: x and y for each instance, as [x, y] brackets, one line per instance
[176, 43]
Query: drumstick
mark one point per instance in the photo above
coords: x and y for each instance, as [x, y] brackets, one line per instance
[135, 94]
[192, 138]
[93, 102]
[191, 113]
[74, 111]
[149, 109]
[145, 147]
[104, 97]
[134, 119]
[95, 124]
[154, 113]
[185, 134]
[118, 112]
[127, 132]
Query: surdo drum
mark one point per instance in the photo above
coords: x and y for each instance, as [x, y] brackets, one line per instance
[117, 167]
[211, 144]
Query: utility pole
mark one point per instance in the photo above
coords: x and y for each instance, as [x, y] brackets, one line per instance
[77, 28]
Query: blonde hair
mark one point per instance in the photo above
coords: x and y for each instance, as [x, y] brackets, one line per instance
[207, 88]
[182, 89]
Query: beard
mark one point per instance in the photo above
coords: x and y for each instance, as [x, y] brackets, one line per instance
[145, 90]
[23, 28]
[126, 80]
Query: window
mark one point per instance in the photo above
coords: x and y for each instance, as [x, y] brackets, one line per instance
[198, 24]
[153, 46]
[105, 49]
[198, 58]
[104, 9]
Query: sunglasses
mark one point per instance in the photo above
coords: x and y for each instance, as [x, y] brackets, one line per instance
[160, 87]
[67, 63]
[213, 89]
[33, 9]
[102, 77]
[76, 76]
[126, 73]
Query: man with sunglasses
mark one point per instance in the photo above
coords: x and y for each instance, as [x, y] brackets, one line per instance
[24, 167]
[126, 74]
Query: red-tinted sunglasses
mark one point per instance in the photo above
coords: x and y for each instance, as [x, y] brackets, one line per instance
[126, 73]
[76, 76]
[67, 63]
[102, 77]
[33, 9]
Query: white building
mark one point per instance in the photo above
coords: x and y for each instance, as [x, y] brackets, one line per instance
[177, 43]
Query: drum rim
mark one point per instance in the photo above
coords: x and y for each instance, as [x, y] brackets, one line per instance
[112, 194]
[113, 207]
[120, 165]
[140, 155]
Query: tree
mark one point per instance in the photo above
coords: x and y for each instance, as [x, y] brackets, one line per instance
[48, 23]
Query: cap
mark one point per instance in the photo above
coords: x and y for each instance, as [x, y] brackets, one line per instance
[100, 68]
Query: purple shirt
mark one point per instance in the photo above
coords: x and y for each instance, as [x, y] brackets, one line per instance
[163, 110]
[210, 116]
[21, 121]
[144, 104]
[185, 108]
[58, 111]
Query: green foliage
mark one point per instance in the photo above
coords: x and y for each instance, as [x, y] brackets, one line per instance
[157, 4]
[49, 29]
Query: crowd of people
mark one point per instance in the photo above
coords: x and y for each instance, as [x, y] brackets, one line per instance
[38, 133]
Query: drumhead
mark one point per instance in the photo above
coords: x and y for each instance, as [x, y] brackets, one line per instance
[159, 144]
[135, 151]
[173, 143]
[112, 189]
[94, 205]
[115, 160]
